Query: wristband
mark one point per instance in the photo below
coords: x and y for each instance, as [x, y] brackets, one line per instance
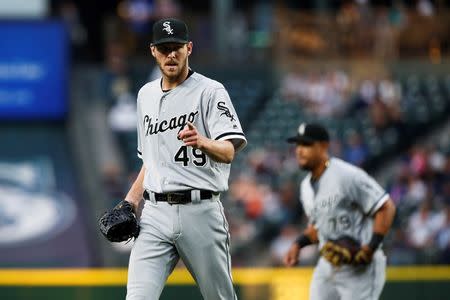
[376, 240]
[303, 241]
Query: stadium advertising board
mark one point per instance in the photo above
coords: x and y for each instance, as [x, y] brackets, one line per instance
[33, 70]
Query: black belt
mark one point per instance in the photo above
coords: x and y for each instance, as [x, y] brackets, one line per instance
[181, 197]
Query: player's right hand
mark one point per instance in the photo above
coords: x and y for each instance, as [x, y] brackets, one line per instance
[363, 256]
[191, 137]
[291, 257]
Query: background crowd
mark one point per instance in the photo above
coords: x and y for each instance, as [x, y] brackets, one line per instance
[262, 204]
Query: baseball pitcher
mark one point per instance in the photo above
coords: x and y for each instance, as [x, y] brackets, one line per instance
[349, 214]
[188, 134]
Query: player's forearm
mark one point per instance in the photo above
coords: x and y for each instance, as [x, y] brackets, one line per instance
[311, 233]
[308, 237]
[135, 193]
[219, 151]
[384, 217]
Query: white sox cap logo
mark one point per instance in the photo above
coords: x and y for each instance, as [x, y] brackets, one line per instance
[301, 129]
[167, 27]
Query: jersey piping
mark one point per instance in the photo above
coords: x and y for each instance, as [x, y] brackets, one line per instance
[379, 204]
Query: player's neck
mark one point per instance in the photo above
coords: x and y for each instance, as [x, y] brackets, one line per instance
[318, 171]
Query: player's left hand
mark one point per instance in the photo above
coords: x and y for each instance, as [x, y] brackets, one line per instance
[336, 254]
[190, 136]
[340, 251]
[363, 256]
[120, 223]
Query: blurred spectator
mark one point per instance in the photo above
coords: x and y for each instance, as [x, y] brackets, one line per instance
[348, 19]
[423, 226]
[137, 14]
[69, 13]
[366, 94]
[400, 252]
[397, 14]
[400, 186]
[418, 161]
[443, 236]
[245, 191]
[272, 210]
[238, 36]
[379, 115]
[281, 244]
[116, 69]
[368, 91]
[113, 183]
[390, 92]
[122, 115]
[166, 9]
[384, 43]
[355, 152]
[289, 203]
[425, 8]
[336, 148]
[323, 94]
[417, 191]
[291, 86]
[436, 160]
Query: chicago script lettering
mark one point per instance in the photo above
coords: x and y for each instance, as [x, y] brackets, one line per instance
[154, 126]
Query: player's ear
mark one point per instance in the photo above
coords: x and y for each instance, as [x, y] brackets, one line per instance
[189, 48]
[324, 146]
[152, 50]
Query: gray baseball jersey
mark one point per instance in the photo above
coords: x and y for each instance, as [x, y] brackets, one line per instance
[196, 232]
[162, 115]
[343, 202]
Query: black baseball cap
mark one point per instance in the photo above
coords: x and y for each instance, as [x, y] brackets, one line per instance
[170, 31]
[310, 133]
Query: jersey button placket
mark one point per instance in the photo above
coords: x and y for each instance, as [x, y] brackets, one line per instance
[161, 143]
[163, 104]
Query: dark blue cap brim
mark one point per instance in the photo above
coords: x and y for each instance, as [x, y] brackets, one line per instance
[169, 40]
[300, 140]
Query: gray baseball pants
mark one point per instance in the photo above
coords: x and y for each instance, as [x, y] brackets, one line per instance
[197, 233]
[348, 282]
